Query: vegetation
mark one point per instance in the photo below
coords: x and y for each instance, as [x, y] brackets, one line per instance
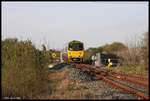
[137, 53]
[144, 51]
[89, 95]
[131, 70]
[75, 86]
[23, 69]
[114, 47]
[25, 73]
[133, 54]
[108, 48]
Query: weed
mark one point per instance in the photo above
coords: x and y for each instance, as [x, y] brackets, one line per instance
[89, 95]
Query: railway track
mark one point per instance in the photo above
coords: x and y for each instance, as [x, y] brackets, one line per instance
[120, 80]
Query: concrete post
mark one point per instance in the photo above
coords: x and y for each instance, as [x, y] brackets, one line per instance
[61, 59]
[98, 59]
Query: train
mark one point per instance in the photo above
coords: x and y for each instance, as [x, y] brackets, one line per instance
[73, 52]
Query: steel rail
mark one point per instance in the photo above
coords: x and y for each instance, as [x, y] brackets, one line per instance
[143, 78]
[127, 88]
[125, 74]
[143, 83]
[129, 75]
[122, 86]
[93, 71]
[131, 80]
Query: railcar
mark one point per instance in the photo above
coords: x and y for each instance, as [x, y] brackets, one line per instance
[74, 52]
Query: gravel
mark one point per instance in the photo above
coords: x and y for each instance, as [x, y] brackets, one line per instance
[76, 75]
[100, 89]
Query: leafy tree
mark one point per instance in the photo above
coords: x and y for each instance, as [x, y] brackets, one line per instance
[114, 47]
[108, 48]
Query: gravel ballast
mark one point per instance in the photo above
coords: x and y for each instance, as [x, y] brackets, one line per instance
[91, 87]
[100, 88]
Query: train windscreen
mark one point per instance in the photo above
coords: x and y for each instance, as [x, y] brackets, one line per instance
[75, 46]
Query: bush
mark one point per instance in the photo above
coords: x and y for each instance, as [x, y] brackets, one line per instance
[108, 49]
[144, 51]
[114, 47]
[137, 53]
[23, 69]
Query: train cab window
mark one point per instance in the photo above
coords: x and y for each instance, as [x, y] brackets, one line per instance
[70, 48]
[80, 46]
[75, 46]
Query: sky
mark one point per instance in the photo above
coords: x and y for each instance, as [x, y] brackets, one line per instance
[57, 23]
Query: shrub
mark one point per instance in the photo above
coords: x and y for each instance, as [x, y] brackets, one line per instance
[23, 71]
[144, 51]
[137, 52]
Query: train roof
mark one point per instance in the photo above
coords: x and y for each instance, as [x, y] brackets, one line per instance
[75, 41]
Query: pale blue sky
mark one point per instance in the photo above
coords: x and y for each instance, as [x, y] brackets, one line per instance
[56, 23]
